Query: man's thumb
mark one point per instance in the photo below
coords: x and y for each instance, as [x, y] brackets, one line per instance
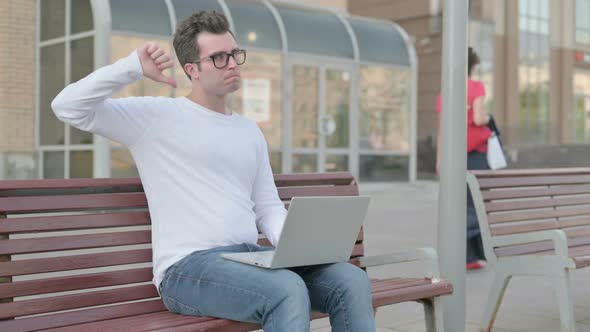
[168, 80]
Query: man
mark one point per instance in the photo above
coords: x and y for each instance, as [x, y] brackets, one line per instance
[209, 186]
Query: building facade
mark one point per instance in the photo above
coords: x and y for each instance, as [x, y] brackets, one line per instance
[535, 66]
[327, 94]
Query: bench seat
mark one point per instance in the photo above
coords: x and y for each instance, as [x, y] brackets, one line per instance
[75, 255]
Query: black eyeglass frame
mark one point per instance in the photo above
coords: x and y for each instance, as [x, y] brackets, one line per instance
[228, 55]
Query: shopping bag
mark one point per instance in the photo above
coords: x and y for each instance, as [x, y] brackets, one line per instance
[496, 158]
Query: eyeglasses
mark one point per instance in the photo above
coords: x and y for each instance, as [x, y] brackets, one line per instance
[221, 59]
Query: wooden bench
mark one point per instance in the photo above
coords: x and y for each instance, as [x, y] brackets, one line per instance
[533, 222]
[76, 257]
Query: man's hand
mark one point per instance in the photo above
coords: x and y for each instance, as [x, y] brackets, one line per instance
[154, 60]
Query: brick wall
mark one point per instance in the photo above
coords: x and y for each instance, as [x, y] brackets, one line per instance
[17, 76]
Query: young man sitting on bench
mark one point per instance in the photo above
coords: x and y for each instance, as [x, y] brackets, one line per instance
[209, 185]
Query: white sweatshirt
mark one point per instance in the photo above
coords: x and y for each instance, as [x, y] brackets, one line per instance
[206, 175]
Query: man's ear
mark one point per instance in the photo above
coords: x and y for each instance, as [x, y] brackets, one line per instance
[192, 70]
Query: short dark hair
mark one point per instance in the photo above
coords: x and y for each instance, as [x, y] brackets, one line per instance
[472, 60]
[185, 38]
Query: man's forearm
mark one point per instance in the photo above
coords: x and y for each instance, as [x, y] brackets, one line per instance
[76, 103]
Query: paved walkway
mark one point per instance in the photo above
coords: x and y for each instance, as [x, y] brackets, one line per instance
[405, 216]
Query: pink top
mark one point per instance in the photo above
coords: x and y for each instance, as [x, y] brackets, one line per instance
[475, 89]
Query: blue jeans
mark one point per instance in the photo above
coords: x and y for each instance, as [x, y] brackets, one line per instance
[205, 284]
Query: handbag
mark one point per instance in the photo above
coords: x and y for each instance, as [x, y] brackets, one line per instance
[495, 155]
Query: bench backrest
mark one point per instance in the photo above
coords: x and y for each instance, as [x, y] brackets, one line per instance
[71, 241]
[529, 200]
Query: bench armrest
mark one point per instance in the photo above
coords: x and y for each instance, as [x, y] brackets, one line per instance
[557, 236]
[427, 256]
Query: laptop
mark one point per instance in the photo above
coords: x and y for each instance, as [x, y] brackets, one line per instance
[317, 230]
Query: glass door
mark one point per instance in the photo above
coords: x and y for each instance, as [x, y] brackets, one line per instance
[320, 118]
[582, 105]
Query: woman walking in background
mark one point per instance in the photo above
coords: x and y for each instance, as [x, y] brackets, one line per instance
[477, 146]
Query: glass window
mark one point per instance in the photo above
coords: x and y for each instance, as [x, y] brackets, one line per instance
[52, 76]
[276, 162]
[305, 107]
[260, 97]
[582, 105]
[82, 64]
[185, 8]
[305, 163]
[583, 21]
[81, 164]
[481, 38]
[53, 164]
[384, 119]
[316, 32]
[82, 58]
[122, 46]
[380, 42]
[383, 168]
[53, 19]
[534, 71]
[337, 163]
[254, 24]
[122, 164]
[81, 16]
[337, 108]
[153, 19]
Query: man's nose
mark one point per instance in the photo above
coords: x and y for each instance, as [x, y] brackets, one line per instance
[232, 62]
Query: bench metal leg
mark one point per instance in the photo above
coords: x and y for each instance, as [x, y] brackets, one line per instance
[565, 301]
[433, 315]
[501, 280]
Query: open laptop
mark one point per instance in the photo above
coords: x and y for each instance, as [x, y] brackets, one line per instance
[317, 230]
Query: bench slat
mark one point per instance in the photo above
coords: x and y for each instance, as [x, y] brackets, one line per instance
[70, 242]
[582, 261]
[85, 261]
[69, 183]
[412, 293]
[529, 181]
[153, 321]
[530, 172]
[83, 316]
[74, 262]
[308, 179]
[73, 222]
[290, 192]
[390, 292]
[536, 192]
[536, 203]
[281, 180]
[502, 229]
[76, 282]
[65, 302]
[29, 204]
[537, 247]
[495, 218]
[580, 254]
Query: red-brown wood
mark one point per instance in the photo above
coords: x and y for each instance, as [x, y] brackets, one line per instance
[74, 222]
[25, 246]
[74, 262]
[65, 302]
[76, 282]
[384, 292]
[30, 204]
[92, 196]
